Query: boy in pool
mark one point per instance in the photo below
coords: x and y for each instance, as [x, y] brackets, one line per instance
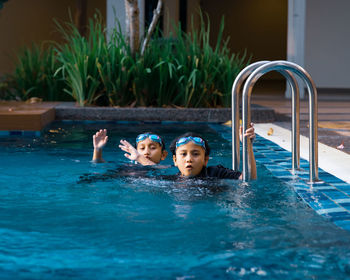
[191, 155]
[150, 148]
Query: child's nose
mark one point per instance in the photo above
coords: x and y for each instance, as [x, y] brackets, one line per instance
[188, 158]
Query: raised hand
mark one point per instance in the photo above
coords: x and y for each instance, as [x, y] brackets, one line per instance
[100, 139]
[250, 132]
[131, 152]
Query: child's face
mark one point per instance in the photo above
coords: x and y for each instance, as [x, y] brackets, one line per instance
[190, 159]
[151, 150]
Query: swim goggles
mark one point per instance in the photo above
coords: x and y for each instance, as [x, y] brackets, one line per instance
[153, 137]
[196, 140]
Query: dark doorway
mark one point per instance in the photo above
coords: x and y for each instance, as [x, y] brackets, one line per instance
[183, 15]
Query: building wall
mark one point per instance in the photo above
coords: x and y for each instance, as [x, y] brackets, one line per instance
[172, 14]
[193, 8]
[258, 26]
[23, 22]
[327, 42]
[115, 11]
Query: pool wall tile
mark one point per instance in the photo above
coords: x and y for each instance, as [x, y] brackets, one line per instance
[24, 133]
[329, 198]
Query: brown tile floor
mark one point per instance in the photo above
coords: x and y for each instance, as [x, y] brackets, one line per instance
[333, 116]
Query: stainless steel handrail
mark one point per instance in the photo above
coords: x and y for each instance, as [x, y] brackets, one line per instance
[313, 139]
[236, 89]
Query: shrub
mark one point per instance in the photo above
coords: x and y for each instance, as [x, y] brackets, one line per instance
[183, 70]
[34, 75]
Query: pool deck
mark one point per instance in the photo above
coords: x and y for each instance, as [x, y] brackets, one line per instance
[333, 130]
[329, 196]
[18, 116]
[333, 117]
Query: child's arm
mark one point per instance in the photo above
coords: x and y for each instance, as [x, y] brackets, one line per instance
[250, 133]
[251, 161]
[99, 140]
[133, 154]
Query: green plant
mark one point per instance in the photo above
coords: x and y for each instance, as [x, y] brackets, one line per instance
[78, 58]
[207, 73]
[161, 73]
[116, 70]
[186, 71]
[6, 89]
[34, 74]
[182, 70]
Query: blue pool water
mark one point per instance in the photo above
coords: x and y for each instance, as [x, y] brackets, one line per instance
[53, 227]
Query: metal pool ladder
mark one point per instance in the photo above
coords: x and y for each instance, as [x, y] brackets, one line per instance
[251, 74]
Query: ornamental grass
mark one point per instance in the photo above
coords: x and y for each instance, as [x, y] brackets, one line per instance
[182, 70]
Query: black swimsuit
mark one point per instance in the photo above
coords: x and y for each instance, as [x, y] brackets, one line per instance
[124, 171]
[131, 170]
[219, 172]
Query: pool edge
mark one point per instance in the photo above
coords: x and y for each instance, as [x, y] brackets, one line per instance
[330, 199]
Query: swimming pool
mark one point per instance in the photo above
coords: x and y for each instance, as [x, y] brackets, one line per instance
[53, 227]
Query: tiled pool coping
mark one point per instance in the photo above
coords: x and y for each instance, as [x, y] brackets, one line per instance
[330, 199]
[69, 111]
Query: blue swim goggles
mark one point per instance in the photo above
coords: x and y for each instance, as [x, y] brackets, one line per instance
[153, 137]
[196, 140]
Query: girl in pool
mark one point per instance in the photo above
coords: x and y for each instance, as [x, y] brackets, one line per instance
[191, 155]
[150, 148]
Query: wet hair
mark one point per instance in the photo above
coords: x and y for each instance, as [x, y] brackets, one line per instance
[148, 132]
[172, 146]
